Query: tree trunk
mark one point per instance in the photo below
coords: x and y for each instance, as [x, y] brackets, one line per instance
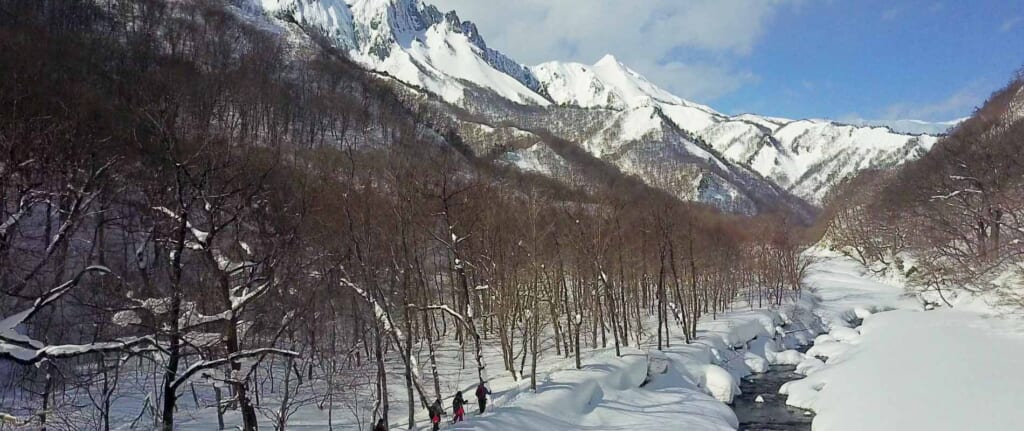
[382, 376]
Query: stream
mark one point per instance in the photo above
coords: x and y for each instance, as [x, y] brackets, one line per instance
[773, 414]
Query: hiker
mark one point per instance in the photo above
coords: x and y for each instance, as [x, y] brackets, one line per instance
[457, 407]
[380, 426]
[481, 396]
[436, 411]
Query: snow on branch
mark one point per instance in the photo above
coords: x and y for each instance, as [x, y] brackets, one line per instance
[9, 323]
[200, 235]
[214, 363]
[28, 356]
[24, 206]
[25, 350]
[378, 311]
[448, 310]
[396, 335]
[81, 202]
[955, 194]
[11, 419]
[239, 302]
[946, 196]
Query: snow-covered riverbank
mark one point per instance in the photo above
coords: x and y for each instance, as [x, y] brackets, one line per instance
[906, 369]
[903, 369]
[687, 385]
[883, 364]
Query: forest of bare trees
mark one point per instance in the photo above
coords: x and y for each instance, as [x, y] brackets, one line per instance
[187, 205]
[951, 221]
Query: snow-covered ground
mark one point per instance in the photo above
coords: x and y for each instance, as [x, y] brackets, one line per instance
[688, 384]
[906, 369]
[845, 291]
[902, 369]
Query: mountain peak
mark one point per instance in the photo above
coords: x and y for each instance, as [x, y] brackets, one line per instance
[438, 52]
[414, 42]
[608, 60]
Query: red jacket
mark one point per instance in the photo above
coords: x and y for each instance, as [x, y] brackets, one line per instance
[482, 391]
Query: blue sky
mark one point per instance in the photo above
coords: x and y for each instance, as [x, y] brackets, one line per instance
[875, 59]
[930, 60]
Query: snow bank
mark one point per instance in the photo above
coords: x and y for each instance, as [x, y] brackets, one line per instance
[722, 385]
[607, 393]
[845, 292]
[843, 334]
[788, 357]
[937, 370]
[904, 368]
[828, 349]
[809, 365]
[746, 342]
[685, 386]
[737, 328]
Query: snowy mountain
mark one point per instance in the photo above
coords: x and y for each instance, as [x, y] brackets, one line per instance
[607, 84]
[806, 157]
[415, 43]
[913, 127]
[745, 163]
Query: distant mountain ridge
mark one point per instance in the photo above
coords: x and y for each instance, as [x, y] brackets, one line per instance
[626, 119]
[911, 127]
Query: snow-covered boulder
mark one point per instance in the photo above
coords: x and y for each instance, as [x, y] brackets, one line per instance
[720, 383]
[788, 357]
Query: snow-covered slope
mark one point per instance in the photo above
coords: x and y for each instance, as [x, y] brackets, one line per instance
[610, 84]
[439, 53]
[806, 157]
[906, 368]
[415, 43]
[916, 127]
[607, 84]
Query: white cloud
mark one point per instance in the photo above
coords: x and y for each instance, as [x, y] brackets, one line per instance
[650, 36]
[891, 13]
[1010, 24]
[957, 105]
[698, 81]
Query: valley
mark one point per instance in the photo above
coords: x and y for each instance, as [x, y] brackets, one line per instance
[363, 214]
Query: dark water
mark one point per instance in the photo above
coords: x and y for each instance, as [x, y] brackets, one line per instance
[773, 414]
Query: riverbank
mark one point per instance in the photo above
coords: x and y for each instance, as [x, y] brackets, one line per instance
[906, 368]
[685, 386]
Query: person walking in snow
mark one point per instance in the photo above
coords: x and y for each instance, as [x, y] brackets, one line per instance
[457, 407]
[380, 426]
[481, 396]
[436, 411]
